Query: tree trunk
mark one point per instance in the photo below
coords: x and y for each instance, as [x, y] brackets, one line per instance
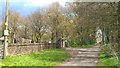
[52, 39]
[13, 38]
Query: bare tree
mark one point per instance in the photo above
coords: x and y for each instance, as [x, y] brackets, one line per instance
[14, 19]
[37, 25]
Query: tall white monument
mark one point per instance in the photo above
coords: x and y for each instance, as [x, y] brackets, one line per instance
[98, 35]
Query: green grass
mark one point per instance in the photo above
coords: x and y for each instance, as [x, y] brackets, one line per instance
[107, 60]
[43, 58]
[83, 46]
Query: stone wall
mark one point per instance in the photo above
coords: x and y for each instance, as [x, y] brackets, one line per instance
[1, 51]
[16, 49]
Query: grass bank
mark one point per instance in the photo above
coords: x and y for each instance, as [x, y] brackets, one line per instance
[107, 60]
[107, 57]
[43, 58]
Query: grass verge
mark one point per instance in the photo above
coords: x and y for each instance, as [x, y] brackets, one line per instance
[82, 46]
[107, 60]
[43, 58]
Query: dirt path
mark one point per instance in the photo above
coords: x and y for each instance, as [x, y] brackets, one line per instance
[82, 56]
